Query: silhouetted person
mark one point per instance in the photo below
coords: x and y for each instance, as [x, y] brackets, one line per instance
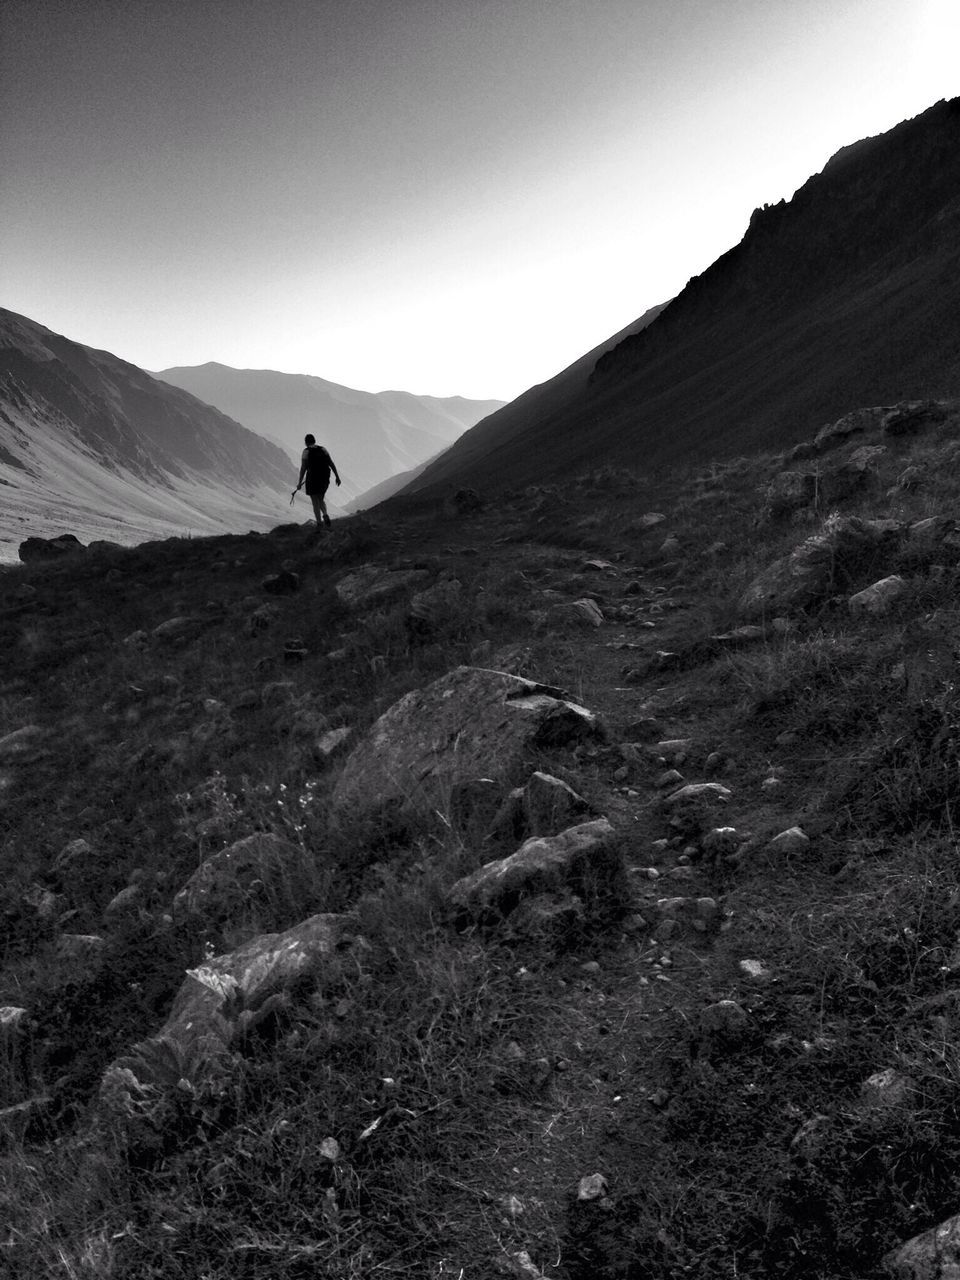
[316, 464]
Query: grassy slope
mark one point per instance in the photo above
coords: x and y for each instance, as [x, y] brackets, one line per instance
[515, 1070]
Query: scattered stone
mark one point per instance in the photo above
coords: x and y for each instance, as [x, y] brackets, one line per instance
[932, 1255]
[542, 807]
[878, 598]
[22, 745]
[846, 547]
[372, 583]
[330, 1150]
[33, 549]
[599, 566]
[771, 783]
[177, 630]
[73, 854]
[714, 792]
[789, 842]
[585, 612]
[284, 583]
[218, 1003]
[592, 1187]
[669, 778]
[264, 616]
[888, 1089]
[720, 843]
[127, 900]
[136, 640]
[469, 723]
[650, 520]
[277, 693]
[80, 946]
[720, 1027]
[835, 433]
[542, 864]
[788, 738]
[755, 970]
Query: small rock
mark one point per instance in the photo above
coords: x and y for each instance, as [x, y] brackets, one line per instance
[592, 1187]
[20, 746]
[126, 900]
[586, 612]
[590, 966]
[79, 946]
[878, 598]
[889, 1088]
[670, 778]
[331, 742]
[754, 970]
[330, 1149]
[771, 784]
[284, 583]
[714, 791]
[788, 842]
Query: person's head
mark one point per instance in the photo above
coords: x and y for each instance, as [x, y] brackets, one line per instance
[309, 439]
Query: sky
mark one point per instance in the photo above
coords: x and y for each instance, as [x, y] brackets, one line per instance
[449, 197]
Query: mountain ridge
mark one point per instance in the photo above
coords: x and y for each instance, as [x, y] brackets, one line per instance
[847, 294]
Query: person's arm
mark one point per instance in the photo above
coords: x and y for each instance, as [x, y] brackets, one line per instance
[333, 468]
[303, 469]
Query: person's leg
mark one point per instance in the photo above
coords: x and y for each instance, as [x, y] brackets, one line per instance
[318, 508]
[323, 507]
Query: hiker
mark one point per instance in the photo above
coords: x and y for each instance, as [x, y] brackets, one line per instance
[316, 464]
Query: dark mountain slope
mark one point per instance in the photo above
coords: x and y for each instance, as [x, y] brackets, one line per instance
[848, 294]
[489, 448]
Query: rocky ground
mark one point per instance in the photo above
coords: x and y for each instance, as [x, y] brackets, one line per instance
[563, 886]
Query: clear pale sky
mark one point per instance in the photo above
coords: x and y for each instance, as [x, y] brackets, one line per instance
[443, 196]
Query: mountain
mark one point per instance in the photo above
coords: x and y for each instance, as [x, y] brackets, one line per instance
[371, 436]
[848, 294]
[92, 445]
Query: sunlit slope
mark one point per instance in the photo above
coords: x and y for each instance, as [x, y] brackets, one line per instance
[92, 445]
[848, 294]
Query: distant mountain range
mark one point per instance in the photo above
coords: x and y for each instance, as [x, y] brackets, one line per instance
[847, 295]
[372, 436]
[92, 445]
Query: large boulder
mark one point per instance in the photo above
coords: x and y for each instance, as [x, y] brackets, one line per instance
[542, 864]
[34, 549]
[841, 555]
[220, 1001]
[471, 723]
[260, 879]
[933, 1255]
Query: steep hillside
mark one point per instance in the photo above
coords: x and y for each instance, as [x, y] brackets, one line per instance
[371, 436]
[847, 294]
[339, 941]
[92, 445]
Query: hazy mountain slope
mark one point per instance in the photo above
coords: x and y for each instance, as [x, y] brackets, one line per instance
[92, 445]
[847, 294]
[371, 436]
